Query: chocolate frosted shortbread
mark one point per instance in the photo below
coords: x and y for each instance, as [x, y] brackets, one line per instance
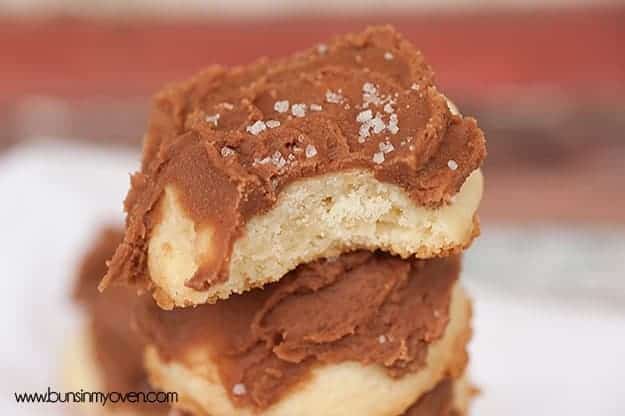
[366, 333]
[249, 172]
[381, 334]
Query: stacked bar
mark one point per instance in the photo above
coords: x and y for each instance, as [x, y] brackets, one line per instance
[299, 224]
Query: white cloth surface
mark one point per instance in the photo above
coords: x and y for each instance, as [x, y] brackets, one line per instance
[531, 354]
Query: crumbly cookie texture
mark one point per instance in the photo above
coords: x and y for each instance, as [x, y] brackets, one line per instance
[224, 148]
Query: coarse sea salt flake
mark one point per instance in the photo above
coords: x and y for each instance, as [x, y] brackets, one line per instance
[239, 389]
[378, 124]
[227, 151]
[364, 116]
[311, 151]
[386, 147]
[256, 128]
[369, 88]
[333, 97]
[278, 160]
[378, 157]
[213, 119]
[281, 106]
[393, 124]
[298, 110]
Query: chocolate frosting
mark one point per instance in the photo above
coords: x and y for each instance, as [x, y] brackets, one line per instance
[229, 140]
[367, 307]
[437, 402]
[118, 348]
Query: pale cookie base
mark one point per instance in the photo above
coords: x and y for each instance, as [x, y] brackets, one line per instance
[463, 394]
[81, 371]
[348, 388]
[313, 218]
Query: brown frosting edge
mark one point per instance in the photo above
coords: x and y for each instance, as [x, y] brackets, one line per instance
[117, 346]
[214, 165]
[437, 402]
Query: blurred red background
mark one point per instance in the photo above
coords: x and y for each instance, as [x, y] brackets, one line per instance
[548, 87]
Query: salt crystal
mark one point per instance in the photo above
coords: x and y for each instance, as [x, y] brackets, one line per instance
[262, 161]
[213, 119]
[452, 164]
[311, 151]
[392, 124]
[378, 124]
[281, 106]
[388, 56]
[298, 110]
[370, 94]
[414, 86]
[369, 88]
[378, 157]
[239, 389]
[256, 128]
[315, 107]
[322, 48]
[364, 116]
[278, 160]
[382, 339]
[227, 106]
[386, 147]
[388, 108]
[363, 133]
[333, 97]
[272, 124]
[227, 151]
